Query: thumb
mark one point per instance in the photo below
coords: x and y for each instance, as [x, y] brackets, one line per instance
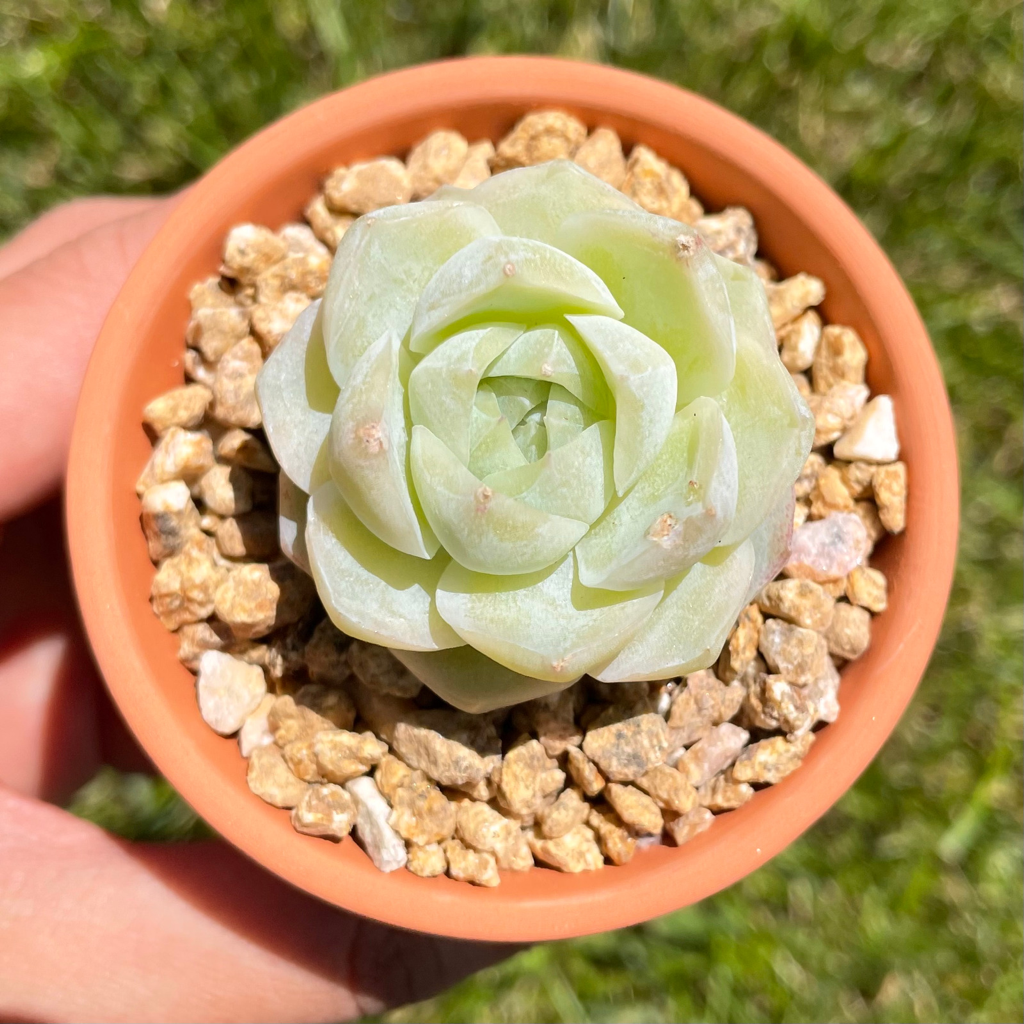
[51, 312]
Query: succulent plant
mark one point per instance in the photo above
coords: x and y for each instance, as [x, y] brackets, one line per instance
[532, 431]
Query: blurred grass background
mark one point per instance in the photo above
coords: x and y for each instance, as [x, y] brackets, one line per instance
[904, 902]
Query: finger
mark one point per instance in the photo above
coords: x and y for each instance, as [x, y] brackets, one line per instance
[56, 722]
[188, 933]
[63, 223]
[51, 311]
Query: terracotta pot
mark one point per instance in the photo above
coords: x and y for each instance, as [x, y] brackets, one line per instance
[803, 225]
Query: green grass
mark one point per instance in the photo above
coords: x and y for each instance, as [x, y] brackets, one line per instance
[904, 902]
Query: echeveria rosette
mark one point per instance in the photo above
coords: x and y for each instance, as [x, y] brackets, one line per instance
[532, 432]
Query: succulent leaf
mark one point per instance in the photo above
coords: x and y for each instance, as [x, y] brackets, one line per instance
[297, 395]
[369, 590]
[771, 424]
[443, 386]
[532, 202]
[676, 511]
[506, 278]
[642, 379]
[546, 625]
[483, 529]
[381, 267]
[564, 417]
[468, 680]
[368, 451]
[666, 280]
[688, 629]
[573, 480]
[291, 516]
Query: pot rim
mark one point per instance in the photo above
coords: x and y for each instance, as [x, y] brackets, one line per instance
[524, 907]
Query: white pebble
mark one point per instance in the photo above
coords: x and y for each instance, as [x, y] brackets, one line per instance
[872, 438]
[379, 839]
[228, 691]
[255, 731]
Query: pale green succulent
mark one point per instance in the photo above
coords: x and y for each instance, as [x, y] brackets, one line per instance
[545, 433]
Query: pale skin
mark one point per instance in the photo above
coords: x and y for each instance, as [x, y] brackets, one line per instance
[93, 927]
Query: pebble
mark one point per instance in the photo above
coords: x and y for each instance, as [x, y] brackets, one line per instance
[867, 512]
[890, 489]
[185, 585]
[773, 703]
[381, 842]
[377, 668]
[858, 477]
[271, 779]
[684, 828]
[731, 234]
[326, 654]
[391, 773]
[836, 411]
[342, 755]
[601, 154]
[427, 861]
[830, 494]
[568, 811]
[741, 649]
[303, 272]
[614, 839]
[255, 731]
[529, 779]
[194, 638]
[625, 750]
[828, 549]
[289, 721]
[723, 794]
[794, 652]
[447, 762]
[436, 161]
[271, 321]
[180, 407]
[552, 719]
[198, 369]
[226, 490]
[249, 250]
[822, 695]
[251, 535]
[234, 386]
[299, 757]
[849, 635]
[209, 293]
[333, 705]
[841, 357]
[215, 331]
[420, 813]
[812, 469]
[635, 808]
[247, 600]
[868, 588]
[703, 702]
[658, 187]
[228, 691]
[329, 227]
[713, 753]
[538, 137]
[583, 771]
[477, 167]
[872, 436]
[792, 297]
[798, 341]
[325, 811]
[169, 518]
[473, 866]
[669, 788]
[369, 186]
[576, 851]
[485, 829]
[179, 455]
[772, 759]
[802, 602]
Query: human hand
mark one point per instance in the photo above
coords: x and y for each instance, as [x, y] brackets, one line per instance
[93, 927]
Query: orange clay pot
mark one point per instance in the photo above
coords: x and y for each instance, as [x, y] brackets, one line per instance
[803, 225]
